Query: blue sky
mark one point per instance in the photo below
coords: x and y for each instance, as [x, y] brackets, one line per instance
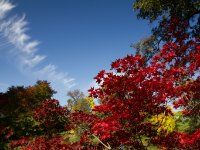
[66, 42]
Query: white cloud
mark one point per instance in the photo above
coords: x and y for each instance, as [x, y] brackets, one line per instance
[13, 33]
[50, 71]
[32, 62]
[5, 7]
[15, 29]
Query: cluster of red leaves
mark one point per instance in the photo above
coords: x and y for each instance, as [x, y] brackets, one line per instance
[78, 117]
[41, 143]
[53, 143]
[21, 142]
[105, 128]
[51, 114]
[6, 132]
[178, 140]
[191, 98]
[190, 141]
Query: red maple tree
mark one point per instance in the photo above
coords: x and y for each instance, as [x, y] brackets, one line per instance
[135, 90]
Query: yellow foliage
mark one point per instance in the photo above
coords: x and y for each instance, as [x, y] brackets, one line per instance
[70, 135]
[165, 124]
[90, 101]
[84, 105]
[74, 107]
[71, 131]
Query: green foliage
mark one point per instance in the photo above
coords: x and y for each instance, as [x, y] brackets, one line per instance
[182, 123]
[194, 123]
[152, 9]
[188, 124]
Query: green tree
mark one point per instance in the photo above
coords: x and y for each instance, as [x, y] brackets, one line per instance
[153, 9]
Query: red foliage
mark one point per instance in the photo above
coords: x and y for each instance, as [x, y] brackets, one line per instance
[6, 132]
[190, 141]
[132, 92]
[55, 143]
[179, 140]
[21, 142]
[83, 117]
[51, 115]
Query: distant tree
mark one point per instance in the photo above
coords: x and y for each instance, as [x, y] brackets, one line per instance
[79, 102]
[146, 47]
[75, 95]
[82, 105]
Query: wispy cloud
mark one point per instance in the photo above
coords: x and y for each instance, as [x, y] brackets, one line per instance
[50, 71]
[5, 7]
[15, 40]
[14, 29]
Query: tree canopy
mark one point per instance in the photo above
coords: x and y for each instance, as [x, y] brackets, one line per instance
[162, 13]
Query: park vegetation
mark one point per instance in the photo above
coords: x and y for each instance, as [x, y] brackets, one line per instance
[147, 101]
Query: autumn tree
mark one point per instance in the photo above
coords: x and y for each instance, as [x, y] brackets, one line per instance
[54, 123]
[135, 95]
[17, 105]
[175, 19]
